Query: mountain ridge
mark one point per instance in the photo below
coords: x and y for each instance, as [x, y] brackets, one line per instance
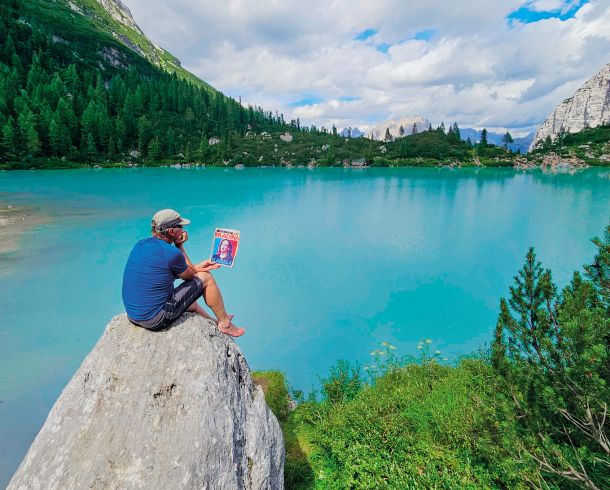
[589, 107]
[114, 18]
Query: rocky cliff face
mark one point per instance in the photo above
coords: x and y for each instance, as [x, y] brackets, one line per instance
[158, 410]
[138, 43]
[588, 107]
[121, 13]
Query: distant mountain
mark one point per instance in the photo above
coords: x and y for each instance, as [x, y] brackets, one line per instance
[351, 132]
[521, 144]
[421, 124]
[589, 107]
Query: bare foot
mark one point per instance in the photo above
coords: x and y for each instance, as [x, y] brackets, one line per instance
[226, 327]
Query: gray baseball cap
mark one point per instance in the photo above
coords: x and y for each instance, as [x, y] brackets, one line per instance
[168, 218]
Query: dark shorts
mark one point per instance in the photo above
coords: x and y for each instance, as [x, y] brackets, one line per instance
[183, 297]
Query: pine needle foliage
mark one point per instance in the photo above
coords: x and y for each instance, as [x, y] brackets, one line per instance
[552, 352]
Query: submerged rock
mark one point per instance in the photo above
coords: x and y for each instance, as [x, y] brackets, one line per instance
[158, 410]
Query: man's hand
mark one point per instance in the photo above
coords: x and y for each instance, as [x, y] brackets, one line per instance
[184, 236]
[206, 266]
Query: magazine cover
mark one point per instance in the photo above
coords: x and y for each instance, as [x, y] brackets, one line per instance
[225, 246]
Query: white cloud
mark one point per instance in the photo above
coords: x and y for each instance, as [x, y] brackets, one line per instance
[552, 5]
[476, 69]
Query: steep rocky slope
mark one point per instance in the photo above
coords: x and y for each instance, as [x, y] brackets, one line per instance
[159, 410]
[124, 28]
[588, 107]
[107, 26]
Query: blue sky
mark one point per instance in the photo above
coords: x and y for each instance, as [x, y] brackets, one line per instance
[528, 12]
[502, 65]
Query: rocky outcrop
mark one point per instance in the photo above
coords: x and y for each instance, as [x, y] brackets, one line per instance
[121, 13]
[588, 107]
[158, 410]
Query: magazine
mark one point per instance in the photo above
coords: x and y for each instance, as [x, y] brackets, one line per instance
[224, 248]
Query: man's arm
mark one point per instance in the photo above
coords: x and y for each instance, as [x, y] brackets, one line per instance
[192, 269]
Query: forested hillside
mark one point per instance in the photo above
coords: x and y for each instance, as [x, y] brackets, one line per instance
[70, 91]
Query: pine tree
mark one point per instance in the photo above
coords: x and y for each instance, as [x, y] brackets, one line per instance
[401, 131]
[143, 135]
[203, 149]
[483, 141]
[414, 129]
[154, 149]
[112, 151]
[552, 352]
[29, 132]
[456, 131]
[9, 139]
[507, 139]
[388, 136]
[56, 138]
[370, 153]
[171, 142]
[90, 149]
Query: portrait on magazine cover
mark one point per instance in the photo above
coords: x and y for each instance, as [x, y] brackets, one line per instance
[225, 247]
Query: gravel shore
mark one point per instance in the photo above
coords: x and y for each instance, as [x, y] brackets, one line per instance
[14, 222]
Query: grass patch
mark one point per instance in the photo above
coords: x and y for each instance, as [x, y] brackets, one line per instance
[418, 426]
[297, 469]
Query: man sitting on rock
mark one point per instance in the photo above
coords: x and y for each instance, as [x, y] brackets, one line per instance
[149, 295]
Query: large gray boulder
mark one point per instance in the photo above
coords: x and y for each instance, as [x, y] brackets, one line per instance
[158, 410]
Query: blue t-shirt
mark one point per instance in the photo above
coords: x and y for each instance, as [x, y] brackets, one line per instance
[148, 280]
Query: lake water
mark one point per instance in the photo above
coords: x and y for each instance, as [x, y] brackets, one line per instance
[332, 262]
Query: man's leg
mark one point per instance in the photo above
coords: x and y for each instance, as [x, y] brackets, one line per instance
[196, 308]
[213, 298]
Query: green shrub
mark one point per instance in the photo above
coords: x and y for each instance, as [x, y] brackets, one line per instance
[343, 384]
[421, 426]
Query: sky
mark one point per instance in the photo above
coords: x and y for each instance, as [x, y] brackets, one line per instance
[503, 65]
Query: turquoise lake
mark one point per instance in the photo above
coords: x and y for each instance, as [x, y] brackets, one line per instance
[331, 263]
